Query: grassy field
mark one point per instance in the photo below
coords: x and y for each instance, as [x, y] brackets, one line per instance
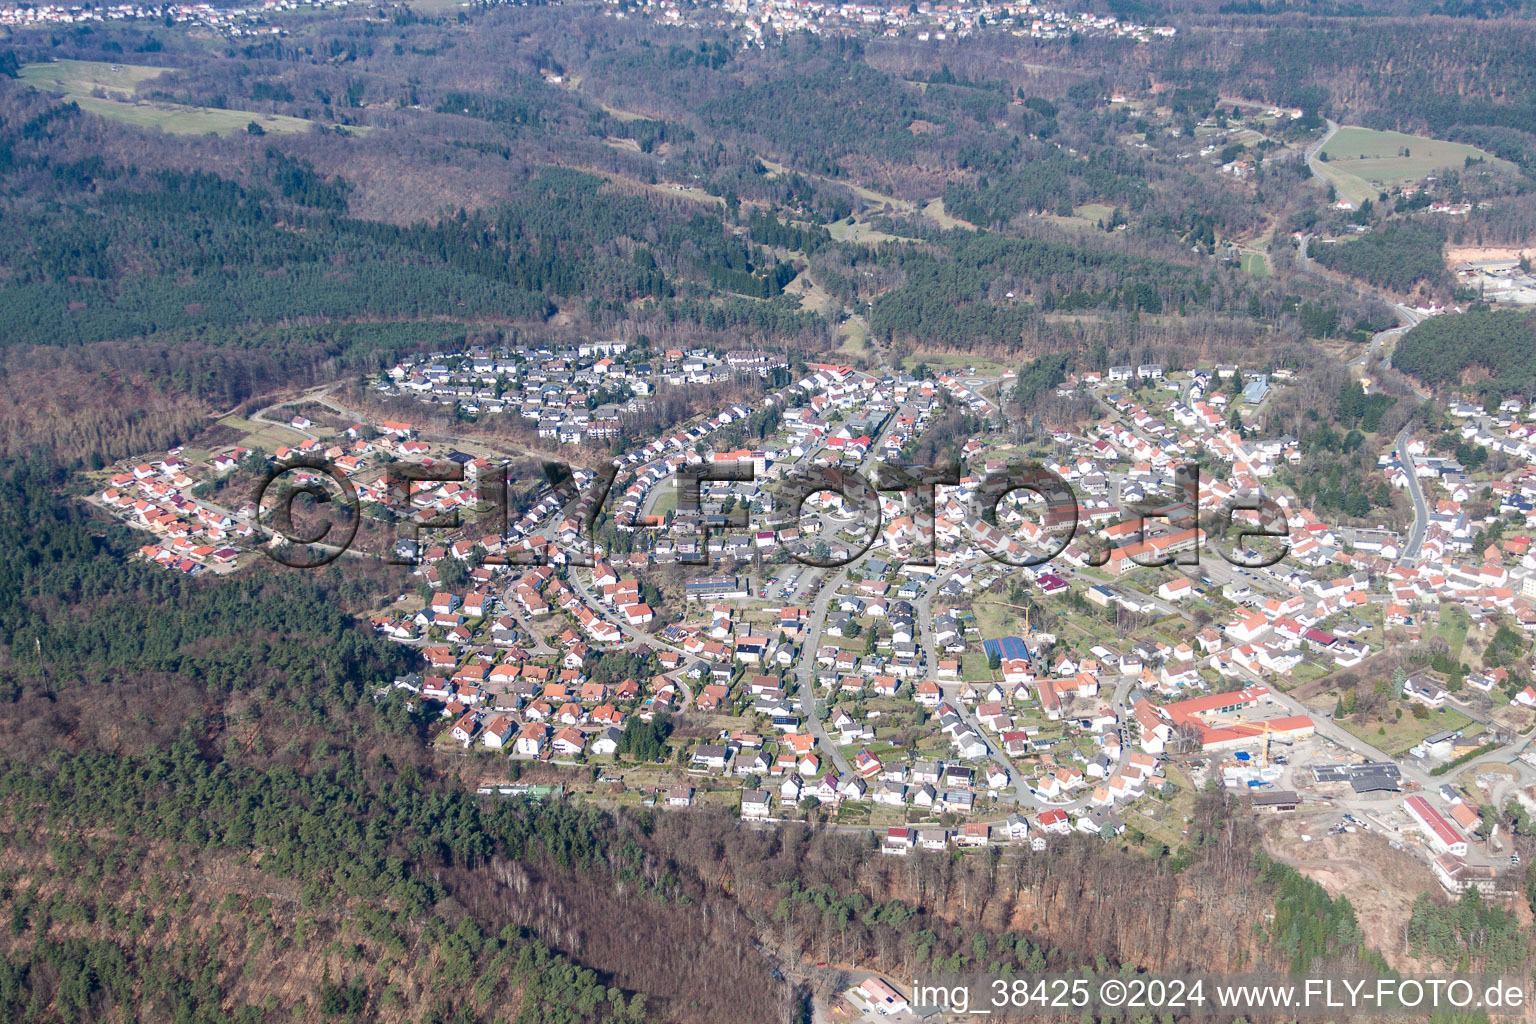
[876, 199]
[1092, 213]
[1452, 628]
[1362, 161]
[1406, 733]
[615, 112]
[1306, 672]
[1089, 215]
[935, 212]
[82, 77]
[665, 502]
[1151, 827]
[952, 362]
[994, 620]
[108, 90]
[1347, 185]
[1164, 820]
[854, 335]
[812, 298]
[1255, 264]
[858, 231]
[973, 666]
[260, 435]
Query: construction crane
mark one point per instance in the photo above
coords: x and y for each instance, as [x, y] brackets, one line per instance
[1265, 729]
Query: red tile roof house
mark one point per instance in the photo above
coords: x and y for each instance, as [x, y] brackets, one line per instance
[465, 728]
[569, 742]
[1054, 821]
[498, 732]
[530, 740]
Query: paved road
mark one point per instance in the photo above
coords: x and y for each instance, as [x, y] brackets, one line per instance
[1210, 564]
[1019, 793]
[535, 637]
[499, 446]
[928, 648]
[631, 636]
[1314, 165]
[1420, 508]
[258, 538]
[1223, 572]
[1317, 147]
[261, 417]
[831, 581]
[922, 612]
[1331, 730]
[805, 670]
[1410, 318]
[1303, 256]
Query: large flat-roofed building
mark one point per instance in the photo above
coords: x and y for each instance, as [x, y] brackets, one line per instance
[1441, 833]
[715, 588]
[1276, 802]
[1369, 777]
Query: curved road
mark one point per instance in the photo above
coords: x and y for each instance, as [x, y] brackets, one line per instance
[1317, 147]
[1420, 507]
[1410, 318]
[805, 670]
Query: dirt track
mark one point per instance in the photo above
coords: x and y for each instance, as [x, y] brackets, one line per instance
[1462, 254]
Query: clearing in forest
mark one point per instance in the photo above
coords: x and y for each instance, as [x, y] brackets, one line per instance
[109, 90]
[1379, 160]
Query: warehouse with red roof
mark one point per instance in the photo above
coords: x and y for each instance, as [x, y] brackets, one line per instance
[1441, 833]
[1206, 714]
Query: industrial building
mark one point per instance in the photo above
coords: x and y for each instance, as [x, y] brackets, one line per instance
[1441, 833]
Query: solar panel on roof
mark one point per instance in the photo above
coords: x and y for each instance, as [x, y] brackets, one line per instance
[1384, 775]
[1009, 648]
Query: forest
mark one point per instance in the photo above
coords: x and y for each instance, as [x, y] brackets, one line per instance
[1498, 345]
[948, 284]
[197, 724]
[829, 118]
[1399, 257]
[158, 256]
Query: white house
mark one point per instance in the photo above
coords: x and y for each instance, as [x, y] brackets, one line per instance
[530, 739]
